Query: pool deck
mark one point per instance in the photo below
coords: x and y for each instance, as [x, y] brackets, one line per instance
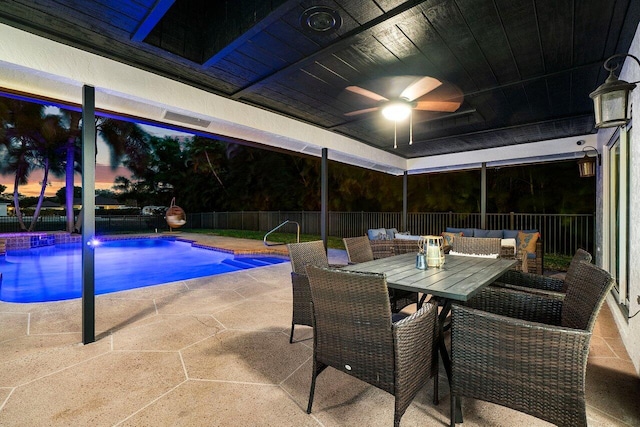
[215, 351]
[231, 244]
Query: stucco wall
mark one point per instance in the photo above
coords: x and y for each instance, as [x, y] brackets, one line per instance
[629, 328]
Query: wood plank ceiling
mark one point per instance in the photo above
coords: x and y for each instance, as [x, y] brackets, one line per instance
[525, 67]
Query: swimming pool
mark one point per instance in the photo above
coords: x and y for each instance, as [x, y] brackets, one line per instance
[53, 273]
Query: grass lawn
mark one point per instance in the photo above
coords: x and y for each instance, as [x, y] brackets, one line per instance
[556, 262]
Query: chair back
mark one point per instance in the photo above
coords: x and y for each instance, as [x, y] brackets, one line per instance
[477, 245]
[402, 246]
[580, 255]
[307, 253]
[587, 288]
[352, 324]
[358, 249]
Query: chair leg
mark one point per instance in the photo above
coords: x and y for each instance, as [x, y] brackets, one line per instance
[422, 299]
[453, 411]
[313, 388]
[291, 336]
[436, 398]
[396, 420]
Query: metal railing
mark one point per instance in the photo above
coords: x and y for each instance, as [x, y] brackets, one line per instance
[561, 233]
[267, 243]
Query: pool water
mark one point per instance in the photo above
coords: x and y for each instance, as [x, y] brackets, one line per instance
[54, 273]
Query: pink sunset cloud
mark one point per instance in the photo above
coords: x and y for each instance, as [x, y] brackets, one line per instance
[105, 177]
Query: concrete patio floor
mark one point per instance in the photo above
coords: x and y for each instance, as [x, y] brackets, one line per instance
[214, 351]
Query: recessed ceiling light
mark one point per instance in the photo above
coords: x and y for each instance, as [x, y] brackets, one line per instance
[320, 19]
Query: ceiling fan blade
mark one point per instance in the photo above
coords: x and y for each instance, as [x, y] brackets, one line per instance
[446, 106]
[417, 89]
[366, 93]
[357, 112]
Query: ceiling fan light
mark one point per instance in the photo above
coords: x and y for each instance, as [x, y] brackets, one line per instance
[396, 111]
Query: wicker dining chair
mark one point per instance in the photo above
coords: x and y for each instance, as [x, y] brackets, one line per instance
[528, 351]
[359, 250]
[301, 255]
[402, 246]
[354, 333]
[520, 280]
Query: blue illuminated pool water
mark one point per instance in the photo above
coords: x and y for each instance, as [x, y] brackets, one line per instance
[53, 273]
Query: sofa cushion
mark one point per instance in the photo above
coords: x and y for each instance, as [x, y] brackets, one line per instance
[391, 233]
[510, 234]
[448, 238]
[510, 243]
[477, 232]
[527, 242]
[467, 232]
[377, 234]
[497, 234]
[407, 237]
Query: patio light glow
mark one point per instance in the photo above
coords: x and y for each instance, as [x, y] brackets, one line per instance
[396, 111]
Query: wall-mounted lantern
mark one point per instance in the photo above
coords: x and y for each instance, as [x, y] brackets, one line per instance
[611, 99]
[587, 164]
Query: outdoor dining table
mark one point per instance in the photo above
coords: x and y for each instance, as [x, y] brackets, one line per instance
[458, 279]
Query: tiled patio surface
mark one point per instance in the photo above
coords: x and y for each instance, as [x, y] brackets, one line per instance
[214, 351]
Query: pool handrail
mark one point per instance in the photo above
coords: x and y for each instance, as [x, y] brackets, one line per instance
[266, 243]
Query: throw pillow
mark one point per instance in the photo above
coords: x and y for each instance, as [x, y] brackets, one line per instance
[391, 233]
[448, 237]
[377, 233]
[527, 242]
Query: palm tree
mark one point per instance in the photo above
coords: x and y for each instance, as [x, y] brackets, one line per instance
[48, 147]
[18, 165]
[72, 163]
[22, 123]
[127, 141]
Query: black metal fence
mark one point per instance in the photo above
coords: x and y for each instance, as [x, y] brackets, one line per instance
[561, 233]
[104, 224]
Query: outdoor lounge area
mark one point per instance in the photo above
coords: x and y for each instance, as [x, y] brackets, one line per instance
[215, 351]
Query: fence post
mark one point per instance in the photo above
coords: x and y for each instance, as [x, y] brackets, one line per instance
[512, 225]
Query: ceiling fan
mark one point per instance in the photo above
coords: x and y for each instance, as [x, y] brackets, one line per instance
[422, 94]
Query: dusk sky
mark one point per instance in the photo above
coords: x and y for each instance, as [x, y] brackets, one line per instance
[105, 176]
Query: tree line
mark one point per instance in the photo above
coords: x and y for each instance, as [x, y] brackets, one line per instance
[206, 174]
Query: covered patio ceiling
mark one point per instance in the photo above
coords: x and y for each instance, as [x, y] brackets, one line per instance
[252, 70]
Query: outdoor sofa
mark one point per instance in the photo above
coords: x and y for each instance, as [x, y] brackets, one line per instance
[388, 241]
[515, 242]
